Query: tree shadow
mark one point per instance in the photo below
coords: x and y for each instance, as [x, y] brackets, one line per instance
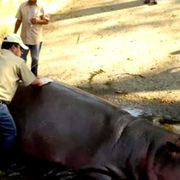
[95, 10]
[175, 52]
[144, 83]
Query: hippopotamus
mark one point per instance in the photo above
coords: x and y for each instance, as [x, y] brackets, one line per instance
[65, 125]
[150, 1]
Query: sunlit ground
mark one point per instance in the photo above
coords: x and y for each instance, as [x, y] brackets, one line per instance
[109, 35]
[136, 45]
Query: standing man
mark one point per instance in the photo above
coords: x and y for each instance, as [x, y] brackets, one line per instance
[12, 69]
[32, 17]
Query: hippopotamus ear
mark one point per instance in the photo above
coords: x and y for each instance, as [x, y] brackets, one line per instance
[172, 146]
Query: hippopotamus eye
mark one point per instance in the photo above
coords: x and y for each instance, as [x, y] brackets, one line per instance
[172, 147]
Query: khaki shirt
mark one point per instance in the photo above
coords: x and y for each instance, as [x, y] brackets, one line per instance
[31, 34]
[12, 69]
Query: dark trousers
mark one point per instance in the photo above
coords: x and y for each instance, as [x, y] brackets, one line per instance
[8, 130]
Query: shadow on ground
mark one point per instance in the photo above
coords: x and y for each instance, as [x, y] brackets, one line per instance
[175, 52]
[163, 103]
[28, 167]
[95, 10]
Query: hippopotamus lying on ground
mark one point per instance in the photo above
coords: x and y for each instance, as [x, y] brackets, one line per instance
[91, 136]
[150, 1]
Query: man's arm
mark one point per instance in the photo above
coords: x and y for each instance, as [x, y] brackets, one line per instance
[36, 82]
[28, 78]
[39, 21]
[17, 25]
[41, 81]
[42, 20]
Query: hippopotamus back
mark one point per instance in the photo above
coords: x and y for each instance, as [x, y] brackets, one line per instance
[62, 124]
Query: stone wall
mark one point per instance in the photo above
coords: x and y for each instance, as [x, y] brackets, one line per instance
[8, 9]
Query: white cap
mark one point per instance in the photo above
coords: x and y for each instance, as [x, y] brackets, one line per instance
[15, 38]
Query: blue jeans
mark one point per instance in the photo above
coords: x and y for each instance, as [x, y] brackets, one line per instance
[8, 130]
[34, 52]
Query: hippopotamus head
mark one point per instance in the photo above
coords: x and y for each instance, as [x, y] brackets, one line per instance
[149, 152]
[166, 164]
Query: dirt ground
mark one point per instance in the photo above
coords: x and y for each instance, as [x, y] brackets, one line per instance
[121, 50]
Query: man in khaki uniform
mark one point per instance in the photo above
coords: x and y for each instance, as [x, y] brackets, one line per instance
[12, 69]
[32, 17]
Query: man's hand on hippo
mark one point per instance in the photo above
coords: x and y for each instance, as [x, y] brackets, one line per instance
[45, 80]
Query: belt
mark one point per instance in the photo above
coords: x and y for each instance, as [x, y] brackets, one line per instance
[3, 102]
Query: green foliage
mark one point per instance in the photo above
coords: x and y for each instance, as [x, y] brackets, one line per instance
[92, 75]
[108, 83]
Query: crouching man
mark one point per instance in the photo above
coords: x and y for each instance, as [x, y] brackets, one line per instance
[12, 70]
